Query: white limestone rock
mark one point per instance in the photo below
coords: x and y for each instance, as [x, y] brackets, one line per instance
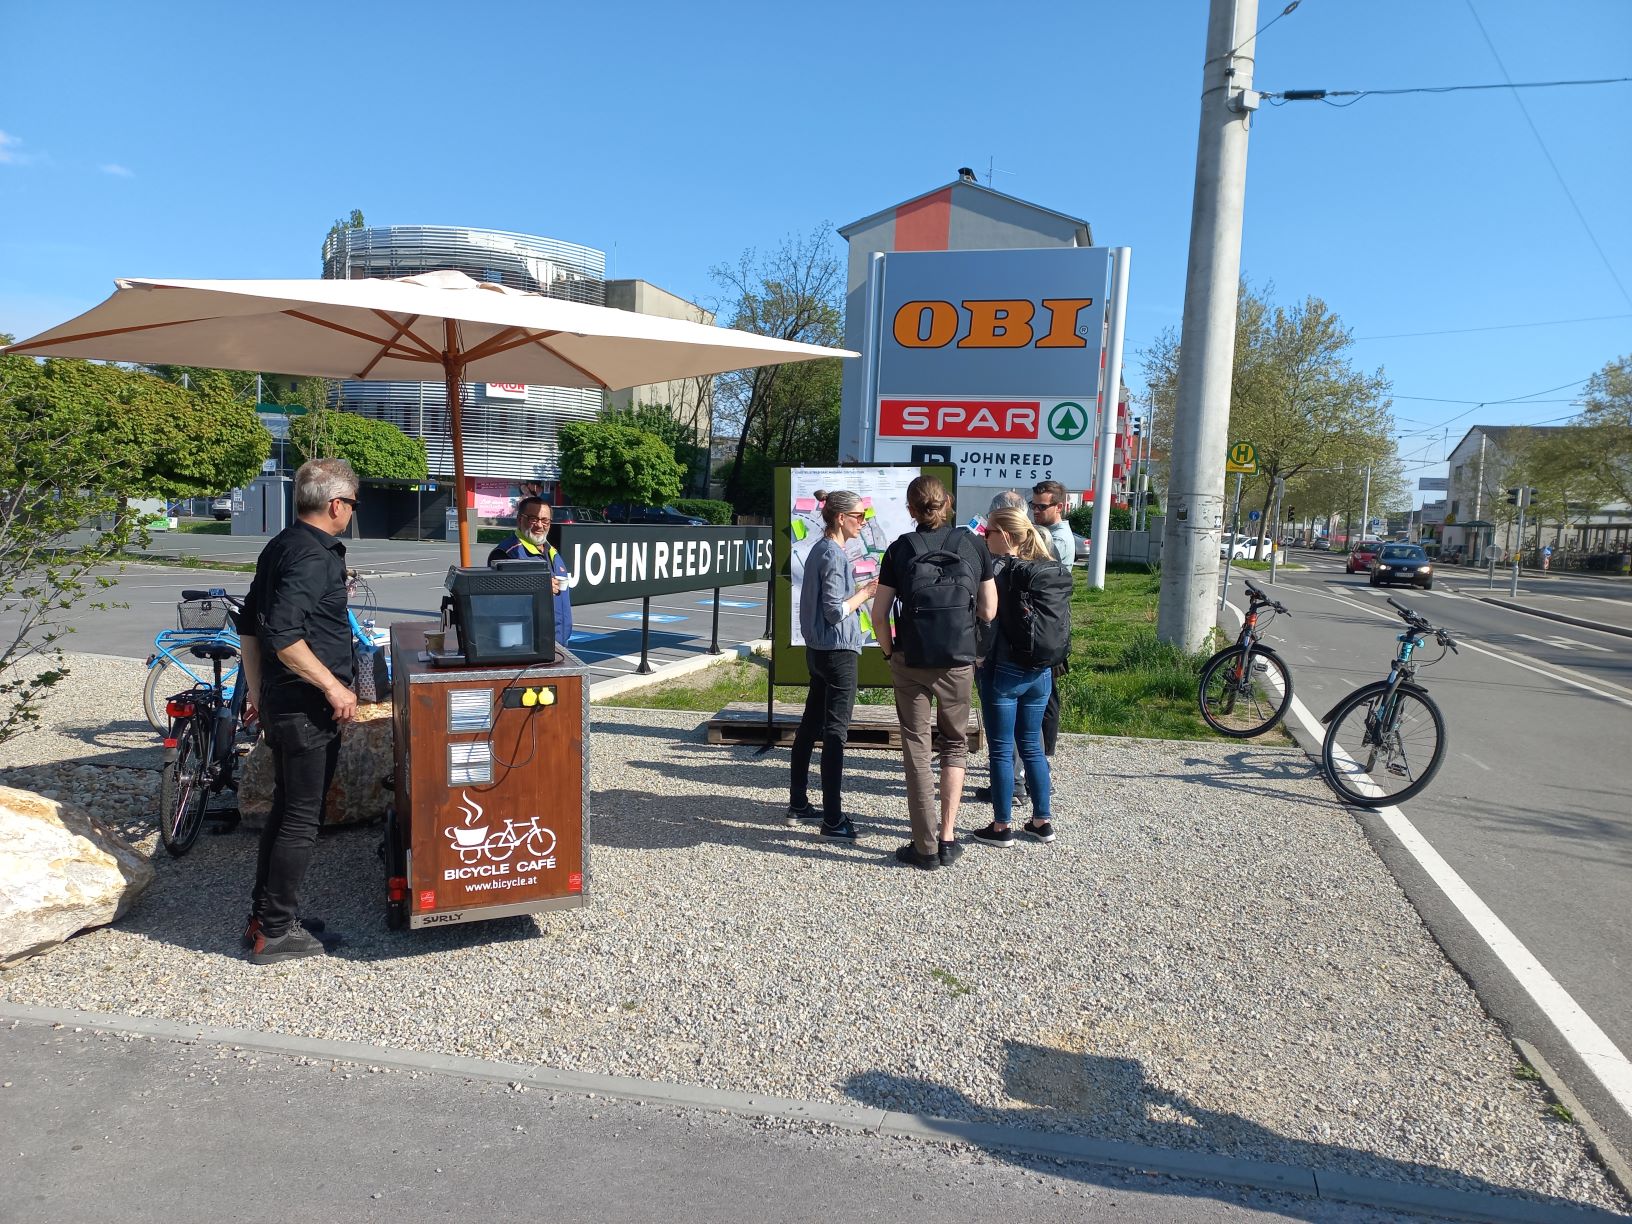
[61, 871]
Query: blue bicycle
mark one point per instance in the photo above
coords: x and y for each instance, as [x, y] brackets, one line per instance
[202, 620]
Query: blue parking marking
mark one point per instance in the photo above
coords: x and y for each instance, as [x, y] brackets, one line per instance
[579, 635]
[657, 618]
[730, 603]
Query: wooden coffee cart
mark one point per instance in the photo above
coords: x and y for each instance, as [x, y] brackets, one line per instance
[491, 810]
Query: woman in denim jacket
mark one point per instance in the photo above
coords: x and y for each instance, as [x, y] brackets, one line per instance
[829, 600]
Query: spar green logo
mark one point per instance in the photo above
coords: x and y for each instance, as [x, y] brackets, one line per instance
[1067, 421]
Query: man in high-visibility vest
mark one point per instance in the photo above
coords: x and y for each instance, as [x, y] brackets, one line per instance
[531, 543]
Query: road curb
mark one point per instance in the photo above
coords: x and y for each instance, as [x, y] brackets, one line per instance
[1171, 1162]
[619, 685]
[1563, 618]
[1615, 1164]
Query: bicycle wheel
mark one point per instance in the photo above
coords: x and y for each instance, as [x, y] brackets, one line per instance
[183, 791]
[165, 679]
[1372, 766]
[1244, 706]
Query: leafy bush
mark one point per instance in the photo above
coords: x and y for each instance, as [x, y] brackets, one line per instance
[705, 508]
[603, 463]
[1082, 519]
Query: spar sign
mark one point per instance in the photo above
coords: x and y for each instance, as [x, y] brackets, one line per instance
[990, 360]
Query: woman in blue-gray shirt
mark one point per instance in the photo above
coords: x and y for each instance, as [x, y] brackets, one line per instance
[828, 602]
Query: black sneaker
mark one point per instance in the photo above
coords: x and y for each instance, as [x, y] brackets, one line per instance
[949, 852]
[293, 944]
[991, 835]
[1039, 830]
[844, 829]
[909, 855]
[803, 815]
[253, 928]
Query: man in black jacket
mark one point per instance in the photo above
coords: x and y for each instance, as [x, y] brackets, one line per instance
[296, 644]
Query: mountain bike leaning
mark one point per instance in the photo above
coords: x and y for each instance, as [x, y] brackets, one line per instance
[1246, 688]
[1386, 740]
[201, 747]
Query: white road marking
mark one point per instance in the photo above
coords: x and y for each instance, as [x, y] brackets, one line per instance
[1561, 674]
[1591, 1044]
[1476, 761]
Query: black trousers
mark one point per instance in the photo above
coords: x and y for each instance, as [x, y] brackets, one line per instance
[828, 706]
[305, 746]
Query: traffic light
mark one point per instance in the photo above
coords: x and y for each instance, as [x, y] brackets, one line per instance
[1531, 500]
[1291, 513]
[1513, 497]
[1138, 426]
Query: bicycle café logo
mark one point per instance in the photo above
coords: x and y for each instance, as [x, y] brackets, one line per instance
[485, 851]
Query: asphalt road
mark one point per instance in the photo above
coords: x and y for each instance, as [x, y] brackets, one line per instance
[1531, 807]
[99, 1127]
[403, 582]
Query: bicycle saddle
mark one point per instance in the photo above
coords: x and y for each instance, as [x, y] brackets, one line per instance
[214, 650]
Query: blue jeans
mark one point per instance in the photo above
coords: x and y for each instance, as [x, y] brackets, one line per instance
[1014, 699]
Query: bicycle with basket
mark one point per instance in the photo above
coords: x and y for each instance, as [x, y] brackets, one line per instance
[202, 743]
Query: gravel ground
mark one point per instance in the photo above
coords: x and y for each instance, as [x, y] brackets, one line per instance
[1209, 957]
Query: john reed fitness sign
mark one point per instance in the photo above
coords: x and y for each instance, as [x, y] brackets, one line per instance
[607, 563]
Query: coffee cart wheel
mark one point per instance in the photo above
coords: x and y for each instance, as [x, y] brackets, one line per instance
[396, 865]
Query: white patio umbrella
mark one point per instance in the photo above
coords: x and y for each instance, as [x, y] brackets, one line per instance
[402, 330]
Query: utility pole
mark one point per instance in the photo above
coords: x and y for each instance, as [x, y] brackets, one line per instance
[1365, 505]
[1109, 399]
[1195, 499]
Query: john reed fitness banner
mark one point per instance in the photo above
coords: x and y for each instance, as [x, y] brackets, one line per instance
[611, 562]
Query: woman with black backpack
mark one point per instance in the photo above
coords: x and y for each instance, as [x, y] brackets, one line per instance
[1033, 632]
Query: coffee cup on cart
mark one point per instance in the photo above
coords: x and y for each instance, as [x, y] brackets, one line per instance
[436, 640]
[467, 838]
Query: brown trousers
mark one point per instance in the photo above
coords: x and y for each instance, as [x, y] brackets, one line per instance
[915, 688]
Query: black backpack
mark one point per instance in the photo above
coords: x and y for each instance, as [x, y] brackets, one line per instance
[1034, 612]
[936, 622]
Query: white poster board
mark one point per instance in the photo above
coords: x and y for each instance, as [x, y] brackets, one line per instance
[883, 493]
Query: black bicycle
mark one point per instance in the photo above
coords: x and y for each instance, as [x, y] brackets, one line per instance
[1245, 688]
[1386, 740]
[201, 745]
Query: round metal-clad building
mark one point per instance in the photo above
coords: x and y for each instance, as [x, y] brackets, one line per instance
[509, 429]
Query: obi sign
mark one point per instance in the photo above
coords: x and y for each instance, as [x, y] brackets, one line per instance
[993, 358]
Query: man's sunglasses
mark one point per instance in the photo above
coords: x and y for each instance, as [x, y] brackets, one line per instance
[350, 501]
[1042, 505]
[535, 518]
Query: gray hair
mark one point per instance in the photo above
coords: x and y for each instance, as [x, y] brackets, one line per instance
[319, 481]
[837, 502]
[1009, 499]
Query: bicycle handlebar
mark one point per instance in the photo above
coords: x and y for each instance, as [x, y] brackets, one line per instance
[1258, 597]
[1420, 623]
[213, 593]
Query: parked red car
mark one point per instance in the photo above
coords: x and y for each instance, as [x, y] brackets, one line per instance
[1362, 555]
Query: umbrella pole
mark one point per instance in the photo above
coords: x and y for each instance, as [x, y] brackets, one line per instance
[455, 374]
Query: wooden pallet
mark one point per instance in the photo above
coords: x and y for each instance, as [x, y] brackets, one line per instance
[871, 726]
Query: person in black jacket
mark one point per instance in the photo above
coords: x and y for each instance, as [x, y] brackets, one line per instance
[297, 665]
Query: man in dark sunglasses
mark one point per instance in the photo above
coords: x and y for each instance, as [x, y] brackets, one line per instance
[297, 667]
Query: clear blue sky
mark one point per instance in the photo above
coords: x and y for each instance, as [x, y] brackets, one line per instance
[220, 140]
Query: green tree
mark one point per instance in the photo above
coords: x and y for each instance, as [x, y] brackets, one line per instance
[800, 424]
[1296, 396]
[690, 452]
[1607, 413]
[196, 428]
[376, 450]
[603, 463]
[794, 293]
[56, 473]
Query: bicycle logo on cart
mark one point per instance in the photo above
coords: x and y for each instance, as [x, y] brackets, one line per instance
[476, 840]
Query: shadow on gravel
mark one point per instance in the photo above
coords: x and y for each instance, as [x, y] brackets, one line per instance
[639, 820]
[1110, 1100]
[201, 901]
